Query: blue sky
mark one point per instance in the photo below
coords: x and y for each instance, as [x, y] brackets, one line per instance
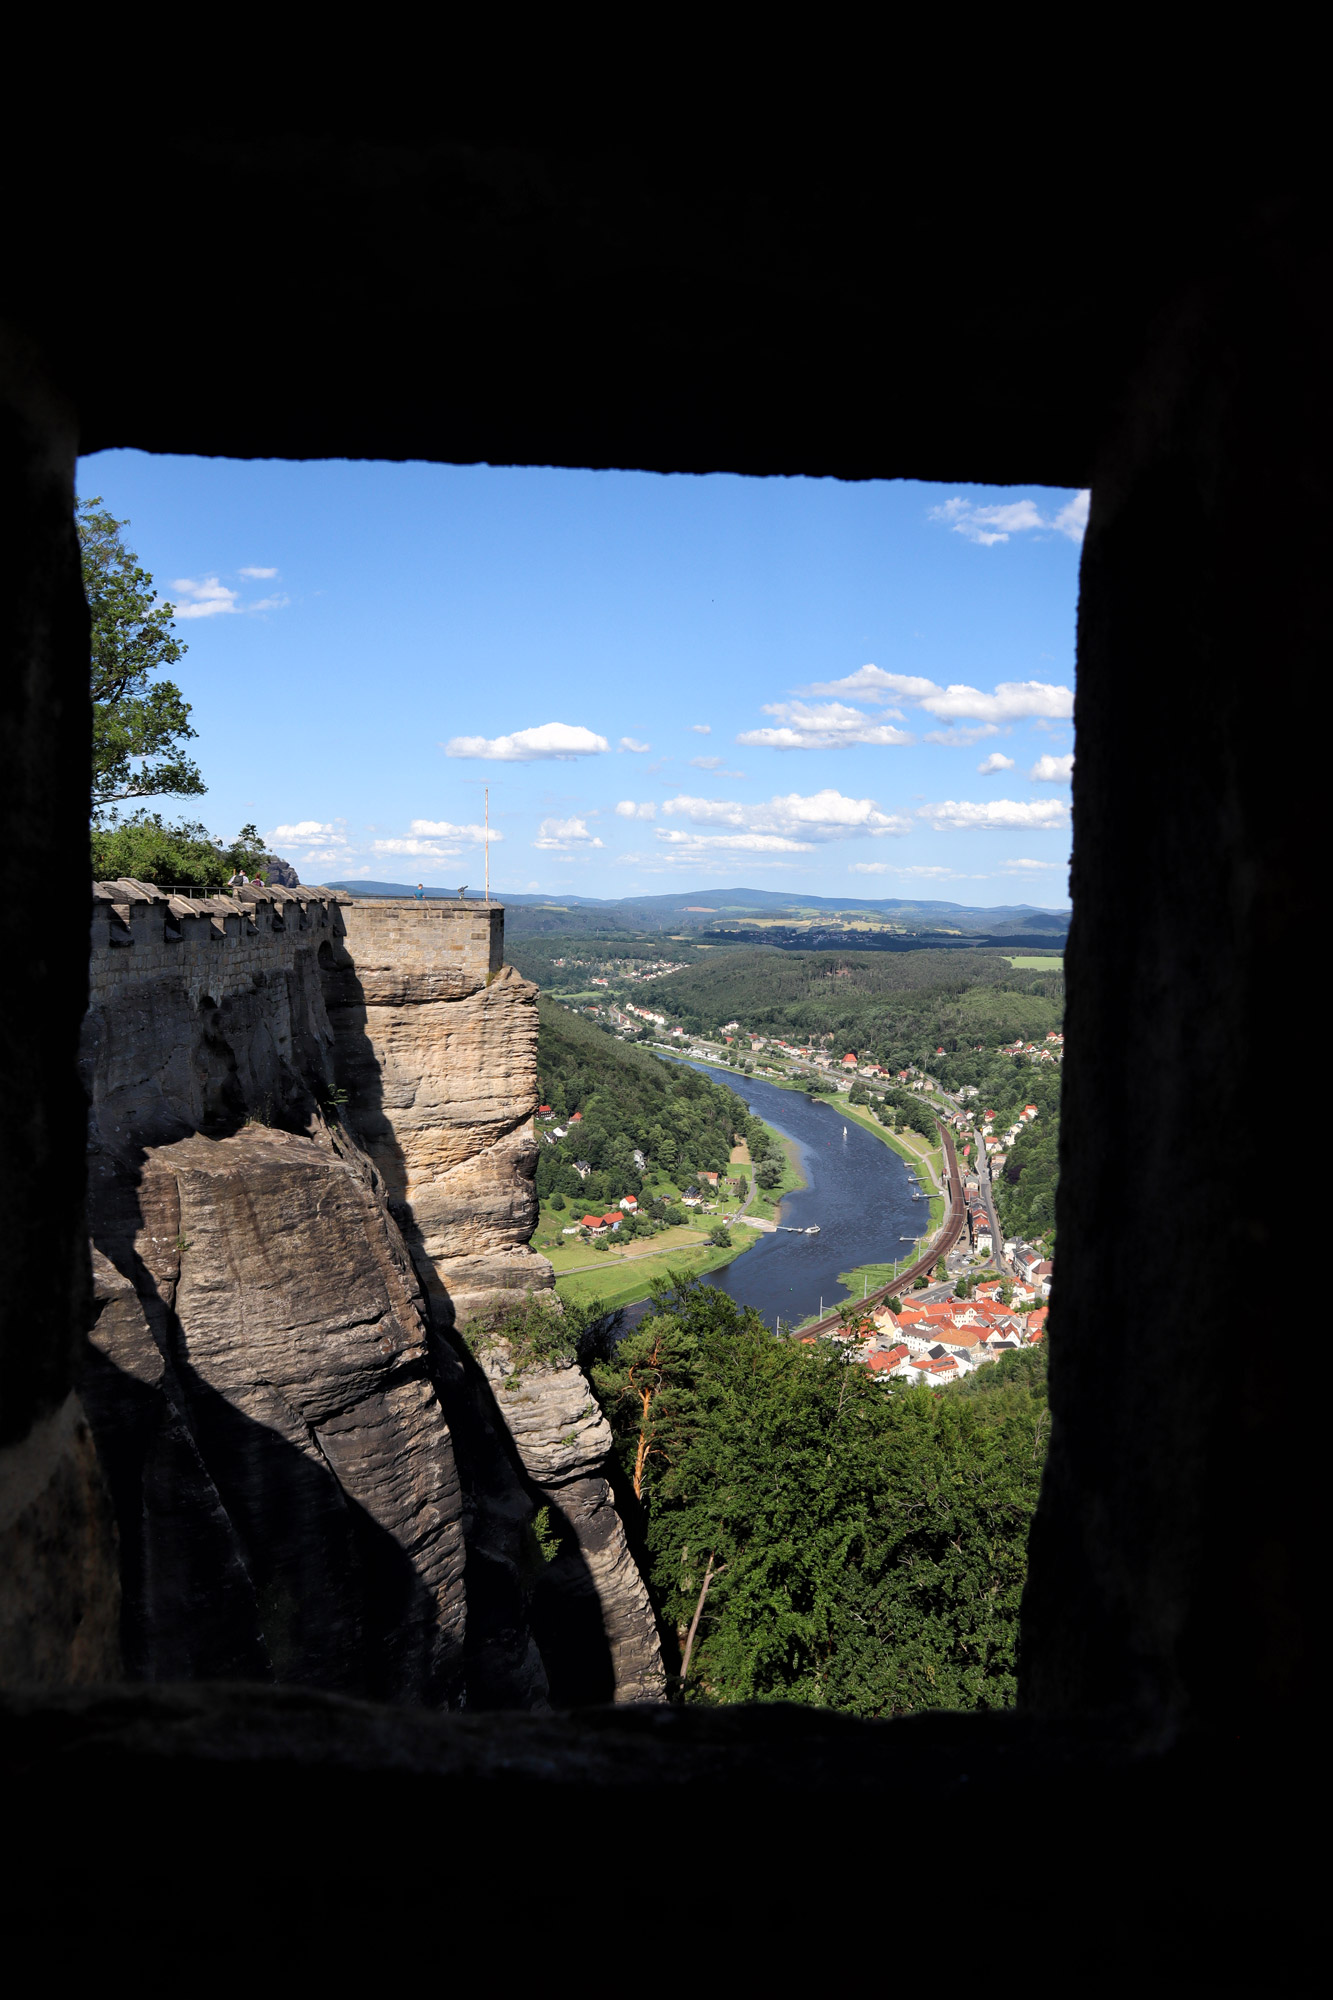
[796, 684]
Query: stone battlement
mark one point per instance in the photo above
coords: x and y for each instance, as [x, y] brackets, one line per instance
[215, 944]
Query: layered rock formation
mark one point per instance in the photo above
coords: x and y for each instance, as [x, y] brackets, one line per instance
[436, 1046]
[260, 1384]
[436, 1043]
[591, 1612]
[312, 1479]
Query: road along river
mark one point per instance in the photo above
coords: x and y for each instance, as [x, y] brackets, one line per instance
[858, 1190]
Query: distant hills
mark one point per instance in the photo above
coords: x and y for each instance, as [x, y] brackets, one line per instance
[764, 916]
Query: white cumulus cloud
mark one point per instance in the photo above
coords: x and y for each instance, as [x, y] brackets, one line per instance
[421, 850]
[994, 815]
[627, 809]
[301, 831]
[251, 569]
[1072, 519]
[1049, 770]
[1024, 863]
[997, 761]
[743, 843]
[628, 743]
[565, 836]
[996, 523]
[824, 726]
[816, 816]
[560, 740]
[205, 599]
[1009, 701]
[444, 829]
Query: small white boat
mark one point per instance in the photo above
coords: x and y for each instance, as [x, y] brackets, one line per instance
[812, 1229]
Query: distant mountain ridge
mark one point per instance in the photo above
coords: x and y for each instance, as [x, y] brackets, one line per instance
[690, 909]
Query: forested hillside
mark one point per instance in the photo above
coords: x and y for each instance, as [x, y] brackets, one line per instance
[566, 964]
[864, 1548]
[888, 1003]
[628, 1100]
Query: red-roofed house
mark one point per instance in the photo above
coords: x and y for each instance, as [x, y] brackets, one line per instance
[946, 1369]
[883, 1361]
[543, 1110]
[612, 1220]
[629, 1202]
[594, 1225]
[577, 1119]
[849, 1062]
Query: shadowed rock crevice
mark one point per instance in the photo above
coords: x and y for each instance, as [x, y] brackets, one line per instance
[435, 1046]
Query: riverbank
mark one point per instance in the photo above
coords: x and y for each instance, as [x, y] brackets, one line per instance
[765, 1201]
[909, 1146]
[622, 1278]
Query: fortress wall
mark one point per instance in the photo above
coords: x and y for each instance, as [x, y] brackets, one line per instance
[307, 1111]
[211, 945]
[258, 1382]
[428, 950]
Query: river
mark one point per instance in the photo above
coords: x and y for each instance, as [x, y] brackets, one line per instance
[857, 1189]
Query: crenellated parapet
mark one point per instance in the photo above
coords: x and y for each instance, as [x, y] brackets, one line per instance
[213, 944]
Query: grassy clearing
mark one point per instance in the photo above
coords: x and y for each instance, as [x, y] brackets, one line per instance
[620, 1281]
[1030, 962]
[571, 1251]
[870, 1277]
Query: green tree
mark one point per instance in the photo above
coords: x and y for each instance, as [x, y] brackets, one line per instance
[720, 1236]
[813, 1537]
[139, 723]
[647, 1387]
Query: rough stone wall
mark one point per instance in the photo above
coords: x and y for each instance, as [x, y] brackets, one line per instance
[259, 1383]
[311, 1158]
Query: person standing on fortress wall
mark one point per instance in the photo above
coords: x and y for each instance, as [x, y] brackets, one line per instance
[239, 880]
[421, 892]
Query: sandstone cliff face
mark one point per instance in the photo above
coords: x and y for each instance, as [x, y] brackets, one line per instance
[313, 1479]
[436, 1046]
[438, 1056]
[260, 1383]
[592, 1614]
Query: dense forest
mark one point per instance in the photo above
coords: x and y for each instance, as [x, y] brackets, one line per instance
[629, 1101]
[828, 1539]
[893, 1004]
